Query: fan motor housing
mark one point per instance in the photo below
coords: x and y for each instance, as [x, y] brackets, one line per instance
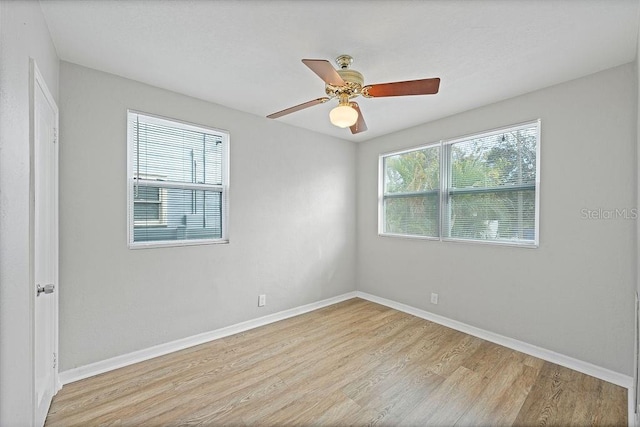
[353, 84]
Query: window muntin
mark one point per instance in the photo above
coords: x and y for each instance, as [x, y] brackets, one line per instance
[488, 191]
[178, 182]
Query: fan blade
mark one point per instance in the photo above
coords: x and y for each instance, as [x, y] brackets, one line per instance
[411, 87]
[360, 125]
[298, 108]
[325, 71]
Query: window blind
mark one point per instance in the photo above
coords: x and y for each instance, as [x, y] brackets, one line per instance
[177, 181]
[492, 186]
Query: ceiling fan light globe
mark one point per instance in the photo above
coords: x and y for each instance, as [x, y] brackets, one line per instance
[343, 116]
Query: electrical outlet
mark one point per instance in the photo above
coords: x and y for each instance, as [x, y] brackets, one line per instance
[262, 300]
[434, 298]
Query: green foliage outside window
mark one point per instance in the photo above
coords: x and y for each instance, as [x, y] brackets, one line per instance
[489, 185]
[413, 179]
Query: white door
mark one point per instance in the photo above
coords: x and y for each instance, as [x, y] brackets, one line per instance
[45, 245]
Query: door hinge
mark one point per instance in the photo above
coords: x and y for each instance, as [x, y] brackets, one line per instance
[55, 135]
[55, 360]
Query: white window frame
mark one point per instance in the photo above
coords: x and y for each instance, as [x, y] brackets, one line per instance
[223, 188]
[445, 189]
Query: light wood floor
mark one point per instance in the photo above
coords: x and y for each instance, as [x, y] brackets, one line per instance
[353, 363]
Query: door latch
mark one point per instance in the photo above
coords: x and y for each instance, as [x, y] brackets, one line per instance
[47, 289]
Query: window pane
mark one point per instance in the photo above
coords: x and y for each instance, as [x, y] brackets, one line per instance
[146, 212]
[411, 192]
[412, 215]
[504, 159]
[414, 171]
[500, 216]
[189, 214]
[141, 192]
[169, 153]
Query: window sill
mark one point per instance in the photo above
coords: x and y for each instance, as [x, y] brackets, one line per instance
[176, 243]
[531, 245]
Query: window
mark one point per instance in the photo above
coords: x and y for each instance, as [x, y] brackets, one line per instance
[477, 188]
[412, 192]
[178, 182]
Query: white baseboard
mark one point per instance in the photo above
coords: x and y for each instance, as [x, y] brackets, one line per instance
[102, 366]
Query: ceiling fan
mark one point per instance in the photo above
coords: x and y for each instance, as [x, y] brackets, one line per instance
[346, 84]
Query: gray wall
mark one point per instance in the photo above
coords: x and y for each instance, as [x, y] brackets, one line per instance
[292, 224]
[23, 35]
[573, 294]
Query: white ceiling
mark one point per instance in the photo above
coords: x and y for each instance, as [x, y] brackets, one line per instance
[246, 54]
